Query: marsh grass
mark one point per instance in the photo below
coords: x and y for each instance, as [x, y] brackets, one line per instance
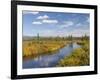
[79, 57]
[34, 48]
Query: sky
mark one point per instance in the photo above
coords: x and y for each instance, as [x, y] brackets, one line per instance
[55, 24]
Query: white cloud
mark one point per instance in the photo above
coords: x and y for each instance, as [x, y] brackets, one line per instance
[79, 24]
[67, 24]
[36, 22]
[49, 21]
[43, 17]
[45, 21]
[79, 32]
[30, 12]
[82, 25]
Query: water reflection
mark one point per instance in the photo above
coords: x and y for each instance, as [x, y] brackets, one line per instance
[50, 60]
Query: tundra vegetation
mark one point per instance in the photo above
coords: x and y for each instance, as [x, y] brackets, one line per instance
[36, 46]
[79, 57]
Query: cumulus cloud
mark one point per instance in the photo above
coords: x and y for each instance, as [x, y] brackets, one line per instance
[50, 21]
[30, 12]
[36, 22]
[67, 24]
[43, 17]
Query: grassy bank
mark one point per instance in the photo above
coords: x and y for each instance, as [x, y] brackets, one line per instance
[79, 57]
[34, 48]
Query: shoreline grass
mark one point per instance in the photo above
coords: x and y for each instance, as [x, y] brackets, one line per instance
[79, 57]
[34, 48]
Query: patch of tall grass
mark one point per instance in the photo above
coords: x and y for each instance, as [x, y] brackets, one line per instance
[35, 48]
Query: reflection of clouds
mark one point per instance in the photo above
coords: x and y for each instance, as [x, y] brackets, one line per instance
[38, 58]
[46, 61]
[51, 60]
[75, 45]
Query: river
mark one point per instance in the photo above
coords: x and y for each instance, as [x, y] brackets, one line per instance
[49, 60]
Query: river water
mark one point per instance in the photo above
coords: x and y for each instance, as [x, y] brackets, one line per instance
[49, 60]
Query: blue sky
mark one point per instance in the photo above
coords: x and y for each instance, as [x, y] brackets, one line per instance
[55, 24]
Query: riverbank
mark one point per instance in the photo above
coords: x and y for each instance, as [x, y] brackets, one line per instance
[34, 48]
[79, 57]
[49, 59]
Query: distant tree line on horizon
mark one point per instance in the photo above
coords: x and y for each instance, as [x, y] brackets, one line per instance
[70, 37]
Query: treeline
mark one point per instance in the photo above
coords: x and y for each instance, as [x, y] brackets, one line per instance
[70, 37]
